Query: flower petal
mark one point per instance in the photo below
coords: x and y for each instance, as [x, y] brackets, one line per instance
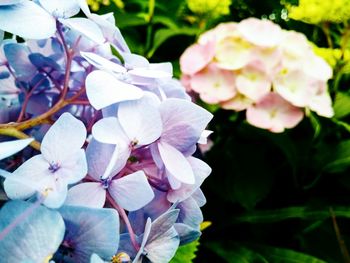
[103, 89]
[9, 148]
[140, 120]
[64, 139]
[83, 229]
[28, 178]
[109, 130]
[176, 163]
[35, 22]
[35, 238]
[99, 155]
[201, 171]
[131, 192]
[85, 27]
[102, 63]
[74, 169]
[87, 194]
[61, 8]
[196, 57]
[183, 129]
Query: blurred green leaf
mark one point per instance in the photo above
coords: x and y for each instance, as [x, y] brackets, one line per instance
[164, 34]
[337, 157]
[164, 20]
[130, 20]
[282, 255]
[236, 254]
[341, 105]
[186, 253]
[303, 212]
[343, 124]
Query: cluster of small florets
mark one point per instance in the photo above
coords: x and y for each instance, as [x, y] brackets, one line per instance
[256, 66]
[113, 137]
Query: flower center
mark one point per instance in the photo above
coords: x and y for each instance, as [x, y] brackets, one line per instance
[122, 257]
[105, 183]
[54, 167]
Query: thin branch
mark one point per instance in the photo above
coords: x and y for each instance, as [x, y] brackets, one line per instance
[125, 218]
[344, 250]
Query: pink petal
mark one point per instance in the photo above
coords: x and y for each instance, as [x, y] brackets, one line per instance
[196, 57]
[274, 113]
[214, 84]
[260, 32]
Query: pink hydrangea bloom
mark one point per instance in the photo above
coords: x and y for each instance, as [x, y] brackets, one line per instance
[254, 63]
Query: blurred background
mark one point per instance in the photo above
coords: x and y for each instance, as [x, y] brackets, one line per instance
[271, 197]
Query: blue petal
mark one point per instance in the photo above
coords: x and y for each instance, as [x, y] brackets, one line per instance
[10, 2]
[186, 233]
[41, 61]
[35, 238]
[90, 231]
[190, 213]
[163, 223]
[17, 56]
[96, 259]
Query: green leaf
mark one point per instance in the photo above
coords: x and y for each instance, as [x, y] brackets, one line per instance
[236, 254]
[341, 105]
[164, 34]
[166, 21]
[303, 212]
[282, 255]
[130, 20]
[343, 124]
[186, 253]
[338, 157]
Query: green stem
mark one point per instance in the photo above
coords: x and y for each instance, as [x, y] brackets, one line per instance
[151, 6]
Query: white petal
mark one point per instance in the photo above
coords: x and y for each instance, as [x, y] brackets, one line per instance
[176, 163]
[204, 137]
[102, 63]
[85, 27]
[61, 8]
[132, 61]
[28, 178]
[56, 194]
[9, 148]
[87, 194]
[84, 7]
[103, 89]
[109, 130]
[65, 138]
[28, 20]
[140, 120]
[131, 192]
[183, 129]
[73, 169]
[201, 171]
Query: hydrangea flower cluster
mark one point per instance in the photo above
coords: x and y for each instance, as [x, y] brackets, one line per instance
[113, 137]
[256, 66]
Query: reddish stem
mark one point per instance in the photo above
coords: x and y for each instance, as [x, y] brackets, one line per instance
[26, 100]
[125, 218]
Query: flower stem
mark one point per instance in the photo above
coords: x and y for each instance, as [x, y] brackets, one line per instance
[125, 218]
